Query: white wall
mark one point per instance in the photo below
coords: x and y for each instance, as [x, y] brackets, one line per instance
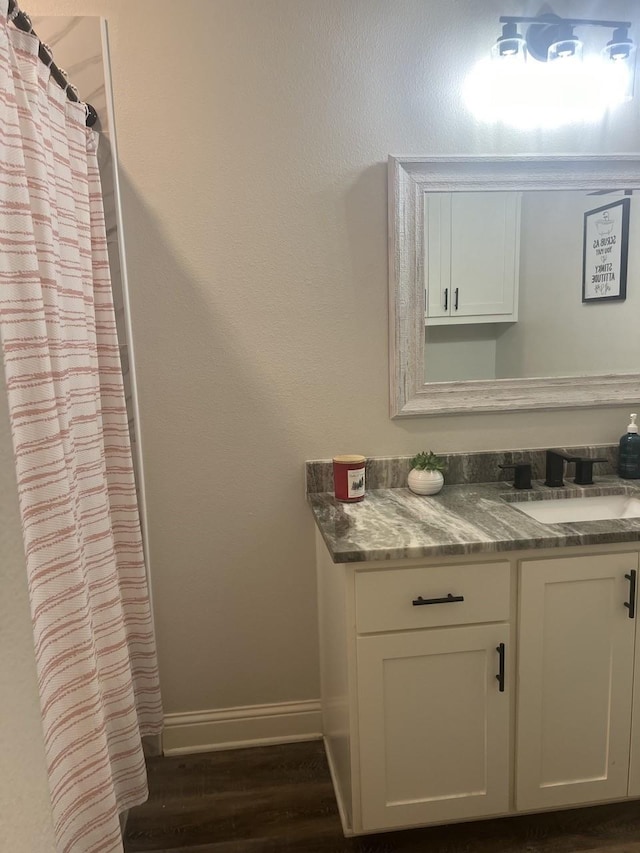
[460, 352]
[253, 137]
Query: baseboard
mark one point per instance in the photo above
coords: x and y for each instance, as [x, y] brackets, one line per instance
[235, 728]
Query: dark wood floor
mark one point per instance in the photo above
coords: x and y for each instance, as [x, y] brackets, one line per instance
[279, 799]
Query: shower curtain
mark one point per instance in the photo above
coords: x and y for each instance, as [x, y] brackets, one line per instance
[93, 632]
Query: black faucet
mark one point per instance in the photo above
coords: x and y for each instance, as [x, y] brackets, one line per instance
[554, 473]
[522, 474]
[555, 468]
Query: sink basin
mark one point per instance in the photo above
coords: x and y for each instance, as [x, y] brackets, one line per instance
[596, 508]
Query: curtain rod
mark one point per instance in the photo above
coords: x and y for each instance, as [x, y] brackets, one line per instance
[23, 22]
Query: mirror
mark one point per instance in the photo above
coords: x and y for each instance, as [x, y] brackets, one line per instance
[514, 283]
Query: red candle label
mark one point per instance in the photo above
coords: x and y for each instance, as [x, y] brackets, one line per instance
[355, 483]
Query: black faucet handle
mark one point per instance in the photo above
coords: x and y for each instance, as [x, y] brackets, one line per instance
[522, 474]
[584, 469]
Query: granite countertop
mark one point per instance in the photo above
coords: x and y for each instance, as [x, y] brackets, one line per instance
[477, 518]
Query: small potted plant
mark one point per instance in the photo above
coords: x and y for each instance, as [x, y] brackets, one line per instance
[425, 477]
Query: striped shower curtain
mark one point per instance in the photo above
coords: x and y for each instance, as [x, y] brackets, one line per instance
[93, 633]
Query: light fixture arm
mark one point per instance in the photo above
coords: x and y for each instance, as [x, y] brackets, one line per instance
[556, 19]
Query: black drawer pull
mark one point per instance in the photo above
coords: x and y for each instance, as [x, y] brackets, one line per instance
[446, 299]
[631, 604]
[449, 599]
[500, 676]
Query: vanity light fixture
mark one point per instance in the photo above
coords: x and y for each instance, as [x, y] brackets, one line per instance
[541, 76]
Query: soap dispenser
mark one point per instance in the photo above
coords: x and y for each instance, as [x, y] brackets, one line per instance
[629, 456]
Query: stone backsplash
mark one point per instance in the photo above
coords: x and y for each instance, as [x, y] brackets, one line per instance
[390, 472]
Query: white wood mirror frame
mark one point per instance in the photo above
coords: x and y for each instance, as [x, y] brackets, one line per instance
[409, 179]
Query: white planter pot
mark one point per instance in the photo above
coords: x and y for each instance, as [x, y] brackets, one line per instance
[425, 482]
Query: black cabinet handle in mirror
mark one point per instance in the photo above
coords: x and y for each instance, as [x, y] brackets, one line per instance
[456, 302]
[448, 599]
[446, 299]
[631, 604]
[501, 658]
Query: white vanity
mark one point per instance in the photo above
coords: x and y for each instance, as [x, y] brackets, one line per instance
[491, 683]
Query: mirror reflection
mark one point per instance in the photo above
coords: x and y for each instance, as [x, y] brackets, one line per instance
[531, 284]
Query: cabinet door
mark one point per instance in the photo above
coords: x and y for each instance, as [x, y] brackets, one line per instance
[437, 267]
[472, 246]
[433, 725]
[634, 762]
[485, 255]
[575, 671]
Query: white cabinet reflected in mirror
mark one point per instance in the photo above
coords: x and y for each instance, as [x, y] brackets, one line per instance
[487, 306]
[472, 258]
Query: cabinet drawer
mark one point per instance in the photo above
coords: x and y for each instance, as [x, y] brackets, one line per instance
[384, 600]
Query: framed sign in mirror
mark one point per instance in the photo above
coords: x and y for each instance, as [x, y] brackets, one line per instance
[606, 251]
[487, 272]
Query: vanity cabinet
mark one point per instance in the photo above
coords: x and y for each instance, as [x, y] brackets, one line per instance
[472, 257]
[458, 688]
[425, 696]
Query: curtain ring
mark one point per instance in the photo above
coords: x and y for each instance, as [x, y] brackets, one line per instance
[49, 53]
[91, 115]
